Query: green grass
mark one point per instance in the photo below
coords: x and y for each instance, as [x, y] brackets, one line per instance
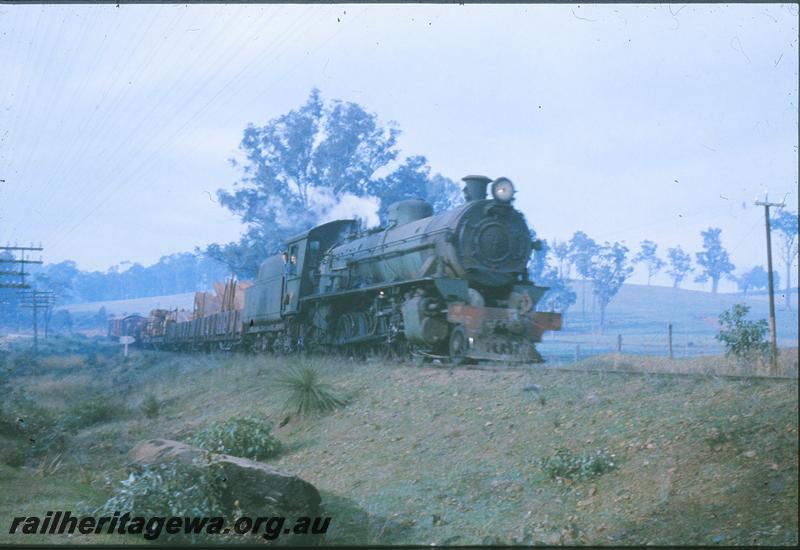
[25, 493]
[425, 455]
[567, 465]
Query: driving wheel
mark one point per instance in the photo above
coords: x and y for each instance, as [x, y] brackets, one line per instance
[458, 345]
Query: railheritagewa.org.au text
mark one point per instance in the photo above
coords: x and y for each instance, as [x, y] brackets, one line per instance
[151, 528]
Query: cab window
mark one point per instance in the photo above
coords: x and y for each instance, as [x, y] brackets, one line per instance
[292, 265]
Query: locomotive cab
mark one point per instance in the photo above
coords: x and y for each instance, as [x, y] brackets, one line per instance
[284, 279]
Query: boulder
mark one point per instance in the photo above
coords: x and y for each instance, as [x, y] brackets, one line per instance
[249, 485]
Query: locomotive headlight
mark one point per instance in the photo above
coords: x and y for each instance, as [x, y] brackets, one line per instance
[503, 190]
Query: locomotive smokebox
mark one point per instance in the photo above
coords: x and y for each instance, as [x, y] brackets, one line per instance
[475, 187]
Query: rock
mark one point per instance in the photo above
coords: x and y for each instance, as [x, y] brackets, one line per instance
[254, 484]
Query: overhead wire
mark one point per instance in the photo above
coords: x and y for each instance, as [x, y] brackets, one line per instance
[18, 135]
[96, 139]
[37, 118]
[7, 113]
[210, 101]
[110, 162]
[67, 155]
[210, 76]
[15, 35]
[60, 86]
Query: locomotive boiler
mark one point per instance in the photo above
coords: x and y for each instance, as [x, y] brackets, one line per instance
[453, 285]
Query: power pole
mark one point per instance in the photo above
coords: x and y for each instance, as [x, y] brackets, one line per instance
[17, 270]
[773, 338]
[22, 261]
[37, 300]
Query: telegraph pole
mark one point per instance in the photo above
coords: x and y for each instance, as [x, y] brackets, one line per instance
[22, 261]
[773, 339]
[37, 300]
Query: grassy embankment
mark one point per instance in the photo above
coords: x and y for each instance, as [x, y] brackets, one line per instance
[426, 455]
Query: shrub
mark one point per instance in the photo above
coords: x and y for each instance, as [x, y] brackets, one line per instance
[176, 489]
[32, 430]
[151, 406]
[742, 338]
[7, 415]
[24, 360]
[564, 464]
[244, 436]
[307, 394]
[145, 360]
[90, 412]
[168, 489]
[12, 453]
[7, 424]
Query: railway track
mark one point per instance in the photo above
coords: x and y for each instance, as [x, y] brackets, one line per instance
[554, 368]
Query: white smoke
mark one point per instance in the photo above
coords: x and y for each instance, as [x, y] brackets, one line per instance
[329, 207]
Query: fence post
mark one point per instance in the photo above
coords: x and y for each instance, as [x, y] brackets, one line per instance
[619, 343]
[577, 352]
[669, 339]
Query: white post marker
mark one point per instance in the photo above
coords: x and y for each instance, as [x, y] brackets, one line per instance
[125, 340]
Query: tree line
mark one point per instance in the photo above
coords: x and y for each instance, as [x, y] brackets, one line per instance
[172, 274]
[606, 266]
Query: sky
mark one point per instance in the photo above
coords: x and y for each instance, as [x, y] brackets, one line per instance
[627, 122]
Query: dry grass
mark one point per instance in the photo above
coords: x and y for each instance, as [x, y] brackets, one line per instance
[712, 366]
[427, 455]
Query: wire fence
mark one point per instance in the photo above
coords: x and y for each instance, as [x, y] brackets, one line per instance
[574, 346]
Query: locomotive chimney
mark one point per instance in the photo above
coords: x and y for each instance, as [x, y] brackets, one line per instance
[475, 187]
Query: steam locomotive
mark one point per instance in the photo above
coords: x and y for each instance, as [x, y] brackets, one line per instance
[453, 286]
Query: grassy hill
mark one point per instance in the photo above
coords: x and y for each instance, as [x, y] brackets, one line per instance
[429, 455]
[641, 314]
[637, 307]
